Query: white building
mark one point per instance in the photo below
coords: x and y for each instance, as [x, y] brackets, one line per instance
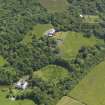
[24, 86]
[21, 84]
[50, 32]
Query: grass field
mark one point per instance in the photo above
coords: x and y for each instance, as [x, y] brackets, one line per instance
[71, 42]
[52, 73]
[91, 90]
[5, 101]
[55, 5]
[69, 101]
[38, 31]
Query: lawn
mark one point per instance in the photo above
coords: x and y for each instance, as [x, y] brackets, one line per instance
[5, 101]
[38, 31]
[71, 42]
[55, 5]
[69, 101]
[52, 73]
[91, 90]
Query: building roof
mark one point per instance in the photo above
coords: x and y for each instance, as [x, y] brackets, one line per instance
[50, 32]
[21, 84]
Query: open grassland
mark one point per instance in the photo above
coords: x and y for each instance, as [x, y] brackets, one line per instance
[5, 101]
[71, 42]
[52, 73]
[55, 5]
[69, 101]
[38, 31]
[91, 90]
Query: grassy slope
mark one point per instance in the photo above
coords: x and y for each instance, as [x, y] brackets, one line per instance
[68, 101]
[52, 73]
[38, 31]
[91, 90]
[5, 101]
[72, 41]
[55, 5]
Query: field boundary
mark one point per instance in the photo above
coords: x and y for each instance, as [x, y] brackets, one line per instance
[68, 100]
[78, 100]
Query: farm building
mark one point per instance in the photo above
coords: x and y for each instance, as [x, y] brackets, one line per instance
[50, 32]
[21, 84]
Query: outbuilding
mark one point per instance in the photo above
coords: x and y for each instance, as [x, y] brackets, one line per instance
[21, 84]
[50, 32]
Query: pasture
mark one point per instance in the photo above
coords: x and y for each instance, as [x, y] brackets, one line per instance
[91, 90]
[55, 5]
[71, 42]
[52, 73]
[69, 101]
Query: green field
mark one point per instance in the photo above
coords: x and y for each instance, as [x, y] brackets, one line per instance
[69, 101]
[71, 42]
[55, 5]
[52, 73]
[38, 31]
[5, 101]
[91, 90]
